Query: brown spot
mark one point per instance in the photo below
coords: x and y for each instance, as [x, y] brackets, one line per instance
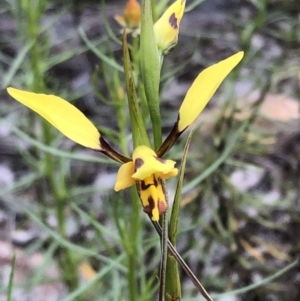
[148, 209]
[173, 21]
[162, 207]
[138, 163]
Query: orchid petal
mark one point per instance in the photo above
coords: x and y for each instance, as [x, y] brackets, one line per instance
[203, 88]
[124, 177]
[61, 114]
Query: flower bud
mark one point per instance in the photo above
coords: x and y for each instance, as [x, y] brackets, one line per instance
[131, 18]
[166, 29]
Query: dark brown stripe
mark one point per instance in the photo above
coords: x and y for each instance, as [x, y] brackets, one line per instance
[145, 186]
[170, 140]
[107, 150]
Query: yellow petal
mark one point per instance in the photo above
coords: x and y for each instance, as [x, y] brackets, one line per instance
[124, 177]
[168, 175]
[62, 115]
[147, 163]
[203, 88]
[166, 29]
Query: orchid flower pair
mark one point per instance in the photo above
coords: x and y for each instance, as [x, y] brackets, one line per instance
[166, 28]
[145, 168]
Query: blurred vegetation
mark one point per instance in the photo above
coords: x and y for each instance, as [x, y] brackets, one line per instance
[239, 223]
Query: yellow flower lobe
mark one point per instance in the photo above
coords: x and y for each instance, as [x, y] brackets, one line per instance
[152, 196]
[147, 163]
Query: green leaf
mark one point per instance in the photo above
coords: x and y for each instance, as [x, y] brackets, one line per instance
[139, 133]
[97, 51]
[173, 286]
[71, 246]
[57, 152]
[11, 279]
[214, 166]
[259, 283]
[177, 199]
[15, 65]
[82, 289]
[150, 70]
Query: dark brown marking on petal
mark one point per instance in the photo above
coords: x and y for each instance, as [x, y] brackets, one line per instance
[155, 182]
[170, 140]
[138, 187]
[173, 21]
[107, 150]
[138, 163]
[162, 207]
[148, 209]
[145, 186]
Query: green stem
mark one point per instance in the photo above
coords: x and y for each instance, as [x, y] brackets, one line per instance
[132, 251]
[150, 70]
[164, 249]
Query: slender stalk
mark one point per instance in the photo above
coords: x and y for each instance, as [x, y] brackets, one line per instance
[150, 70]
[132, 254]
[164, 249]
[183, 264]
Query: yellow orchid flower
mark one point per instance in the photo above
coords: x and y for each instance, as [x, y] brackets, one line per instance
[146, 168]
[147, 171]
[166, 28]
[131, 17]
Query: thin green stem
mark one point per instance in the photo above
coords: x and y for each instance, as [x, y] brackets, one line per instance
[183, 264]
[133, 238]
[164, 249]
